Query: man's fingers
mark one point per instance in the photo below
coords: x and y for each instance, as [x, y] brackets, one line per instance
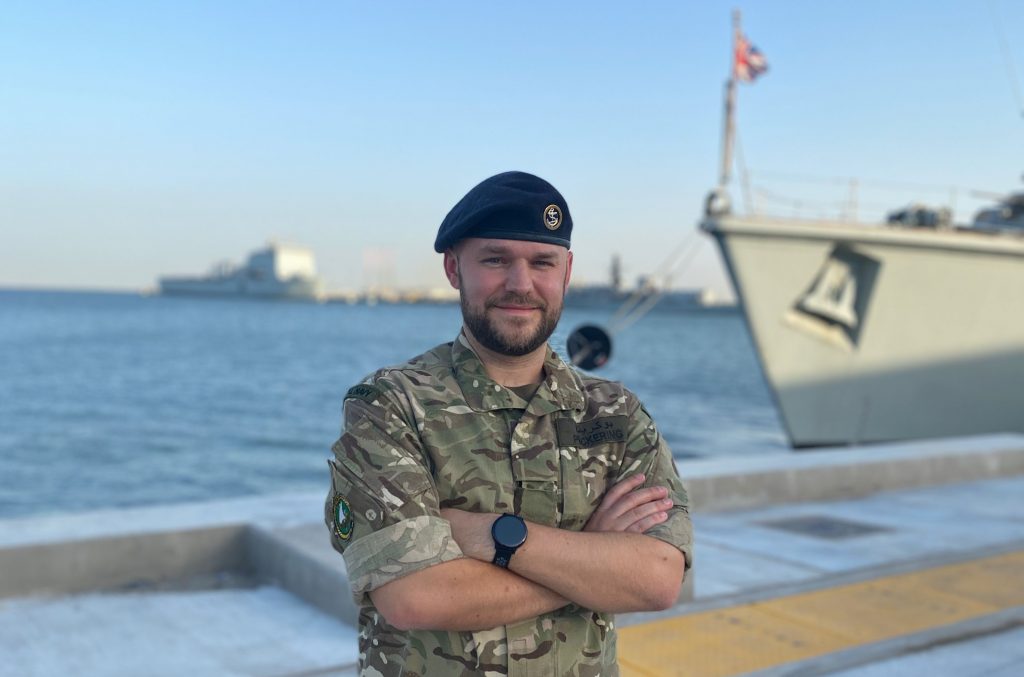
[647, 522]
[621, 489]
[646, 509]
[627, 508]
[637, 498]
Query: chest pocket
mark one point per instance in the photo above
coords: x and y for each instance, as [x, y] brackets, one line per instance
[590, 452]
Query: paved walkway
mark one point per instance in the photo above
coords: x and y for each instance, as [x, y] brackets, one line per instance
[754, 549]
[996, 655]
[232, 632]
[772, 632]
[817, 588]
[826, 564]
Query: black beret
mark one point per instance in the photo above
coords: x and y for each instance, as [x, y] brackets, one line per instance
[508, 206]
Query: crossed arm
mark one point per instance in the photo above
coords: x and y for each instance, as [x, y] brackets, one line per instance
[609, 566]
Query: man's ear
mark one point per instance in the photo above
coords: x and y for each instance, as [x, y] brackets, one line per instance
[568, 272]
[451, 268]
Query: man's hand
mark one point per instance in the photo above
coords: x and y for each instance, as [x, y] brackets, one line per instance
[472, 531]
[626, 508]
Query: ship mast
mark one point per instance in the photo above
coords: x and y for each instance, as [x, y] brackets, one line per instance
[746, 64]
[719, 199]
[728, 124]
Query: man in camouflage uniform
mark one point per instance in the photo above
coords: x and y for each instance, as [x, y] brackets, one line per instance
[495, 429]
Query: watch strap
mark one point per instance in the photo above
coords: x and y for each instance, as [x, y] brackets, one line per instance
[502, 556]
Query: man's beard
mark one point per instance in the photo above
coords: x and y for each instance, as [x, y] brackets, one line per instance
[491, 337]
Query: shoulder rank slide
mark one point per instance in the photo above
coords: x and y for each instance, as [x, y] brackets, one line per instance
[364, 392]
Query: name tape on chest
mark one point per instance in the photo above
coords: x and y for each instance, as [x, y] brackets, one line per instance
[591, 433]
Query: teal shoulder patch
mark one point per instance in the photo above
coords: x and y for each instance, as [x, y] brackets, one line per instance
[344, 523]
[364, 392]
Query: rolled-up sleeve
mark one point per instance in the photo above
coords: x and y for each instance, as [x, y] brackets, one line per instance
[647, 453]
[382, 510]
[398, 550]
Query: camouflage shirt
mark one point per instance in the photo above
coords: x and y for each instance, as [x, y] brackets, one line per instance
[437, 433]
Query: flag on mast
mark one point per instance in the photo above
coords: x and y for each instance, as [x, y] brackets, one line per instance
[748, 62]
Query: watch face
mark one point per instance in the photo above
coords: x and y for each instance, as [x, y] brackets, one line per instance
[509, 531]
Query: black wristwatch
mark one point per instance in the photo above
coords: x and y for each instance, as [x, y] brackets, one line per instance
[509, 533]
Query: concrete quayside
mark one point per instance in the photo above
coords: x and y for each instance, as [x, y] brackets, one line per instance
[784, 545]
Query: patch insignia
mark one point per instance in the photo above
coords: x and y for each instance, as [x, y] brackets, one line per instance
[364, 392]
[552, 217]
[591, 433]
[343, 520]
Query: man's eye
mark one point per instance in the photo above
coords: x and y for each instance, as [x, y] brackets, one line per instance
[493, 260]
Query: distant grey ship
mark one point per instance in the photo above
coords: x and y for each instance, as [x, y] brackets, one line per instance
[648, 294]
[280, 271]
[603, 297]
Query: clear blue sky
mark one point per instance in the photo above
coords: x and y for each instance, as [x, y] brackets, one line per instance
[143, 138]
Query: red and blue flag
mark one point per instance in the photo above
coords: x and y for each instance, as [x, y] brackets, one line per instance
[748, 62]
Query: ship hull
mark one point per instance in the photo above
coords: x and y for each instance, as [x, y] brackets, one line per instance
[871, 334]
[292, 290]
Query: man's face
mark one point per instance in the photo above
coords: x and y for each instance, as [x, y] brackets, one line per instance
[511, 291]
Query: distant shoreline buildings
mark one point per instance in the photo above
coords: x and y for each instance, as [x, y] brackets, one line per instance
[288, 272]
[279, 271]
[578, 296]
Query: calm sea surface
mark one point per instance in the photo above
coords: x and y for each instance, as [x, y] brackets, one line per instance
[117, 400]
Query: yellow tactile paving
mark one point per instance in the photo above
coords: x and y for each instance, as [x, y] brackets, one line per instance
[870, 612]
[1002, 582]
[761, 635]
[705, 643]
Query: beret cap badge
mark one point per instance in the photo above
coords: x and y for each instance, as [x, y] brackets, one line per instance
[552, 217]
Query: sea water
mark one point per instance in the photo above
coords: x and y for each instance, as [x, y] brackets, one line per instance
[111, 400]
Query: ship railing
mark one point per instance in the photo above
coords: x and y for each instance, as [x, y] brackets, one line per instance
[853, 200]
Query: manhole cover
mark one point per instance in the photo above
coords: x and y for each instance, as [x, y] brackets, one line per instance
[819, 526]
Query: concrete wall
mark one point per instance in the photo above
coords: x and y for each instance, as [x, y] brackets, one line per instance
[832, 474]
[73, 566]
[282, 540]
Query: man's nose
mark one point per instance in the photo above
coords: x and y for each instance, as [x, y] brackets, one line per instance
[518, 278]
